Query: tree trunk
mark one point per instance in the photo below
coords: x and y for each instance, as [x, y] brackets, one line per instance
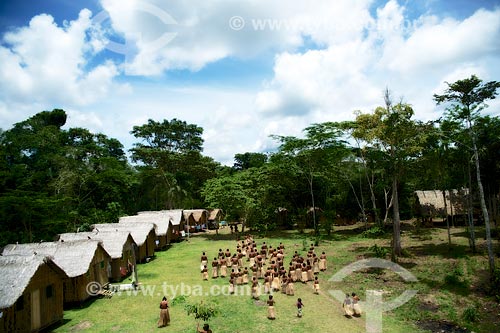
[491, 258]
[470, 214]
[446, 217]
[396, 241]
[314, 205]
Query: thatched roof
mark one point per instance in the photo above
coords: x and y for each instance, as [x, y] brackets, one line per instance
[139, 232]
[199, 215]
[16, 272]
[175, 216]
[73, 257]
[432, 203]
[112, 240]
[214, 214]
[160, 220]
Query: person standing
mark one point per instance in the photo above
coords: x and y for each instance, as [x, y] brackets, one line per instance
[255, 288]
[223, 267]
[347, 306]
[322, 262]
[316, 285]
[215, 265]
[271, 312]
[164, 314]
[355, 305]
[204, 260]
[204, 273]
[300, 305]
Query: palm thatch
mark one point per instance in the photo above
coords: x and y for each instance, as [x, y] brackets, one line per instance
[74, 257]
[16, 272]
[160, 221]
[175, 216]
[113, 241]
[432, 203]
[199, 216]
[215, 214]
[142, 233]
[119, 244]
[139, 232]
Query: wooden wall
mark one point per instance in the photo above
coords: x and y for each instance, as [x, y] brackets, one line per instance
[47, 311]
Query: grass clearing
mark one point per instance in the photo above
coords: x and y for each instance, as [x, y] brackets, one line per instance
[440, 301]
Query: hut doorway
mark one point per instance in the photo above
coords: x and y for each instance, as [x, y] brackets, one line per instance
[35, 310]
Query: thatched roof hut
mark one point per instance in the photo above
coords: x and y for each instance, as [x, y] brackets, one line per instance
[176, 222]
[215, 214]
[83, 261]
[118, 243]
[143, 234]
[214, 218]
[196, 219]
[31, 290]
[160, 221]
[432, 203]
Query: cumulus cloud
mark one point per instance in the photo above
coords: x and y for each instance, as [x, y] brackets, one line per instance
[202, 32]
[411, 57]
[48, 64]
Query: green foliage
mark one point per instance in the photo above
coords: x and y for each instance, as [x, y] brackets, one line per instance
[495, 284]
[378, 251]
[470, 314]
[456, 279]
[373, 232]
[181, 299]
[202, 310]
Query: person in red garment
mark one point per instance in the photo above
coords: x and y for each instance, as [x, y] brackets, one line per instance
[164, 314]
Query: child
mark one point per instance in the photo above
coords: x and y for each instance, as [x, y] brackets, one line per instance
[316, 285]
[300, 305]
[255, 288]
[355, 306]
[347, 306]
[271, 313]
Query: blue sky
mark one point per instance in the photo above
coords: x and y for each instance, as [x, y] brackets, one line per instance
[242, 70]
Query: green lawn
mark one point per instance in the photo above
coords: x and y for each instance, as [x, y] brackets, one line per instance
[177, 270]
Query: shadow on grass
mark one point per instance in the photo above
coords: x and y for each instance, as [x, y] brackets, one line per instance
[54, 326]
[443, 250]
[81, 305]
[459, 287]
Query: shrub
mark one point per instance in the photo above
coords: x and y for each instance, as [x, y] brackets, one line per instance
[456, 279]
[373, 232]
[202, 310]
[470, 314]
[378, 251]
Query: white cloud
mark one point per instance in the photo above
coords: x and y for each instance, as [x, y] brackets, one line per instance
[412, 58]
[203, 32]
[329, 59]
[47, 64]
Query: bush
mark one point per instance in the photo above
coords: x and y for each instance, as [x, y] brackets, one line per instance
[378, 251]
[456, 279]
[470, 314]
[373, 232]
[202, 310]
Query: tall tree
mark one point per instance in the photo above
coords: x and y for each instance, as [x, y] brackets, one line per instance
[466, 100]
[249, 160]
[166, 149]
[392, 130]
[313, 154]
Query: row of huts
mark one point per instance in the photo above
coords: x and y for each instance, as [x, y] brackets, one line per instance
[38, 279]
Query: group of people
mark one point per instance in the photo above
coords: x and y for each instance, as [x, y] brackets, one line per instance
[351, 305]
[250, 263]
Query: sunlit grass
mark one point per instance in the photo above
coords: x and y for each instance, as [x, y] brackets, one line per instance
[176, 271]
